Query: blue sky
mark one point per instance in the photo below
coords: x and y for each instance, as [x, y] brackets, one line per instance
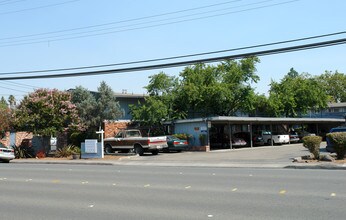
[243, 23]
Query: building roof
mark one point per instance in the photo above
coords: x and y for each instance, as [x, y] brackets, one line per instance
[337, 105]
[262, 120]
[130, 95]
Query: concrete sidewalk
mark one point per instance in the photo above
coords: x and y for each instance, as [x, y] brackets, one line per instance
[257, 157]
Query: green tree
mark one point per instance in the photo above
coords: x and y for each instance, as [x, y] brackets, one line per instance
[218, 90]
[295, 94]
[5, 122]
[12, 101]
[47, 112]
[201, 90]
[334, 84]
[3, 103]
[160, 105]
[94, 108]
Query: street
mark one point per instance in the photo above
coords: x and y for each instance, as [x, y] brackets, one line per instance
[45, 191]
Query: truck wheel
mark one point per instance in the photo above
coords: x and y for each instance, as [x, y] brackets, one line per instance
[139, 150]
[108, 149]
[155, 152]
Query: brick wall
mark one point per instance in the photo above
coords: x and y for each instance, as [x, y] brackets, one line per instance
[112, 127]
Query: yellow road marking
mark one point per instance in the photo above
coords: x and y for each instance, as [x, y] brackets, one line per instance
[56, 181]
[147, 185]
[282, 192]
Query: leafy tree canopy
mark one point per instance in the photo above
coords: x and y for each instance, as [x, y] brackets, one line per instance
[94, 108]
[334, 84]
[201, 90]
[296, 94]
[46, 112]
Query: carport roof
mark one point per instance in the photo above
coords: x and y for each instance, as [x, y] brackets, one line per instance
[262, 120]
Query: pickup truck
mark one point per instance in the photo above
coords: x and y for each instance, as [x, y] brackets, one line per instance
[277, 138]
[132, 141]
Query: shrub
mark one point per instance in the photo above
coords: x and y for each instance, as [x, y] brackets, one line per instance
[339, 143]
[67, 151]
[203, 139]
[182, 136]
[313, 144]
[23, 152]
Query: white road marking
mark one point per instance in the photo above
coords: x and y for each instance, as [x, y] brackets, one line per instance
[235, 189]
[28, 180]
[187, 187]
[210, 216]
[333, 194]
[147, 185]
[91, 206]
[85, 182]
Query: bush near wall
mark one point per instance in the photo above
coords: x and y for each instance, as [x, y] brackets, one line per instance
[339, 143]
[313, 144]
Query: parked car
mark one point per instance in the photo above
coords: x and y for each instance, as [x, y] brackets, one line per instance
[132, 140]
[6, 154]
[176, 144]
[222, 141]
[329, 146]
[238, 142]
[302, 134]
[256, 140]
[278, 138]
[294, 137]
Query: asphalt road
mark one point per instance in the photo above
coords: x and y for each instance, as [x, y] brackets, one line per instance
[42, 191]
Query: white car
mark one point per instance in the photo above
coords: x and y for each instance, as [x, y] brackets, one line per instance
[6, 154]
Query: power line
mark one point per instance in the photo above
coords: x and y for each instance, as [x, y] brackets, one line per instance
[53, 38]
[49, 39]
[20, 84]
[12, 89]
[39, 7]
[177, 57]
[191, 62]
[10, 2]
[123, 21]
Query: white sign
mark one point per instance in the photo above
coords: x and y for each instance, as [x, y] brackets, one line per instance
[91, 146]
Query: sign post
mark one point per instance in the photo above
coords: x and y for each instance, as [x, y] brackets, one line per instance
[101, 132]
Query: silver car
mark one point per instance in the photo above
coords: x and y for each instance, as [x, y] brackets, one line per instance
[6, 154]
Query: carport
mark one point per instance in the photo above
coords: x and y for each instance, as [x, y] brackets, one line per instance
[204, 126]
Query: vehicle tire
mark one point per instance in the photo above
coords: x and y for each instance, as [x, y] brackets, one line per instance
[155, 152]
[269, 142]
[6, 161]
[108, 149]
[139, 150]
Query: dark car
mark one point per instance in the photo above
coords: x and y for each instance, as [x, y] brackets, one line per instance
[330, 147]
[176, 144]
[256, 139]
[294, 137]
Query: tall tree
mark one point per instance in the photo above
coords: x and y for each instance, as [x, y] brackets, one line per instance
[296, 94]
[3, 103]
[47, 112]
[94, 108]
[334, 84]
[12, 101]
[218, 90]
[6, 120]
